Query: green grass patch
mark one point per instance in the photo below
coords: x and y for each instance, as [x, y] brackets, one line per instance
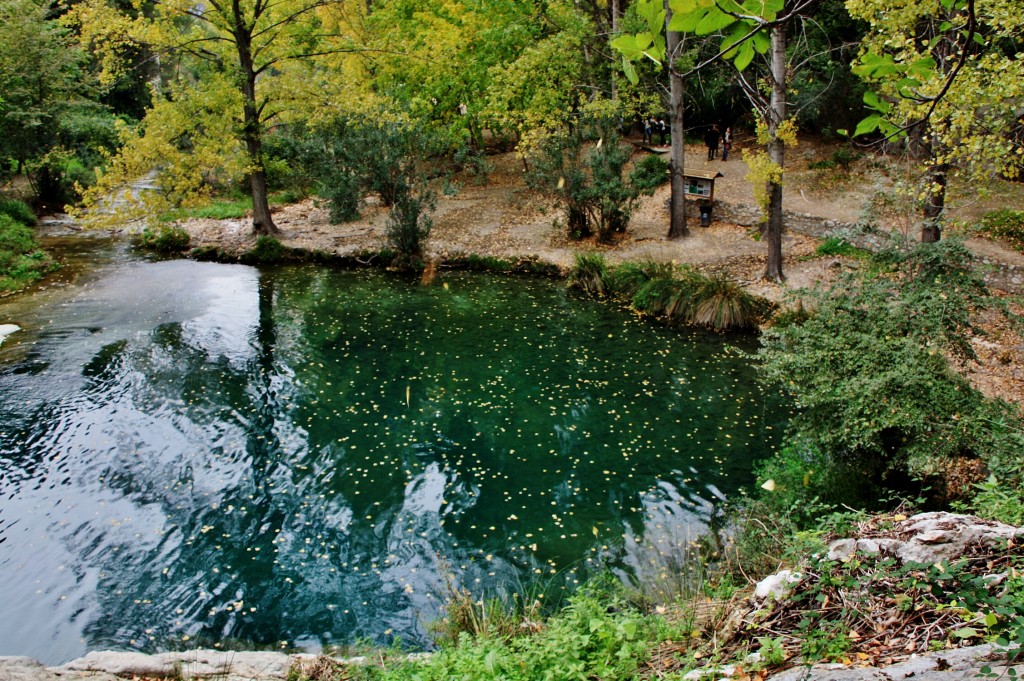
[230, 208]
[840, 247]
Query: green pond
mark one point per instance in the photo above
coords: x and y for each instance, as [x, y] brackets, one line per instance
[194, 454]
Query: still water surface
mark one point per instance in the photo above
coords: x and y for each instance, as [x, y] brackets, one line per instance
[192, 453]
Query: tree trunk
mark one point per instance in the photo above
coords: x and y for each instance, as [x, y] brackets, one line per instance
[614, 8]
[677, 213]
[934, 203]
[777, 154]
[262, 222]
[935, 196]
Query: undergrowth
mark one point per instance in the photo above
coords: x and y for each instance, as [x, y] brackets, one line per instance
[165, 239]
[678, 294]
[22, 262]
[1006, 225]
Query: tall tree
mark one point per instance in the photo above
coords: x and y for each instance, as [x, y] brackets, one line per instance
[250, 47]
[668, 46]
[41, 77]
[949, 72]
[749, 28]
[677, 203]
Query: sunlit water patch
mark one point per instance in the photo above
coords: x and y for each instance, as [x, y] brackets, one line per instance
[195, 453]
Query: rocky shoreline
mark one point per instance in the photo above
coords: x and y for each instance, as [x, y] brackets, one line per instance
[921, 540]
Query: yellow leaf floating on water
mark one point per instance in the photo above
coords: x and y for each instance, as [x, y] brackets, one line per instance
[407, 393]
[768, 485]
[595, 531]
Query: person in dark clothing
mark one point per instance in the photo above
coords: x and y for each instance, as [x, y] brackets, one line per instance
[711, 140]
[663, 131]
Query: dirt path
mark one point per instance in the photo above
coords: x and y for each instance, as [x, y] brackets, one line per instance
[503, 219]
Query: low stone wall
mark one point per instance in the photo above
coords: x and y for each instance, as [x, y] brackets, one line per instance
[1005, 277]
[191, 665]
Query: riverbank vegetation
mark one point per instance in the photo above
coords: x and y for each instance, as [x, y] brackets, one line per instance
[22, 261]
[680, 295]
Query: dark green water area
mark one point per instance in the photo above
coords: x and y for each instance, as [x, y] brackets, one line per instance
[194, 454]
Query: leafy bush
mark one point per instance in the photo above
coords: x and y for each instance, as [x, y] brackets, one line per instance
[597, 635]
[207, 254]
[349, 156]
[679, 294]
[869, 372]
[408, 226]
[649, 173]
[1007, 225]
[22, 262]
[669, 297]
[626, 280]
[584, 171]
[266, 251]
[18, 210]
[165, 239]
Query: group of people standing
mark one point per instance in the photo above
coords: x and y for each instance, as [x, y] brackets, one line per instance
[654, 125]
[715, 139]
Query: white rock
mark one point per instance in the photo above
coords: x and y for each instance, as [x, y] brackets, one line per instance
[777, 585]
[868, 546]
[7, 329]
[842, 549]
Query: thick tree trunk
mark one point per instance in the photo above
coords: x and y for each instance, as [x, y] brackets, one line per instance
[935, 198]
[934, 203]
[677, 214]
[262, 223]
[777, 154]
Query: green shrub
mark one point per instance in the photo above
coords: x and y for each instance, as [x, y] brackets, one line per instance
[350, 156]
[22, 262]
[486, 263]
[207, 254]
[1007, 225]
[668, 297]
[408, 226]
[18, 210]
[266, 251]
[596, 636]
[869, 372]
[628, 278]
[679, 294]
[997, 500]
[649, 173]
[584, 172]
[165, 239]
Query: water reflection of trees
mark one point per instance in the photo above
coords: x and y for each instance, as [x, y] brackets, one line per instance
[308, 486]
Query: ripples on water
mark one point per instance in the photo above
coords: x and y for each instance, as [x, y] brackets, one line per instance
[194, 453]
